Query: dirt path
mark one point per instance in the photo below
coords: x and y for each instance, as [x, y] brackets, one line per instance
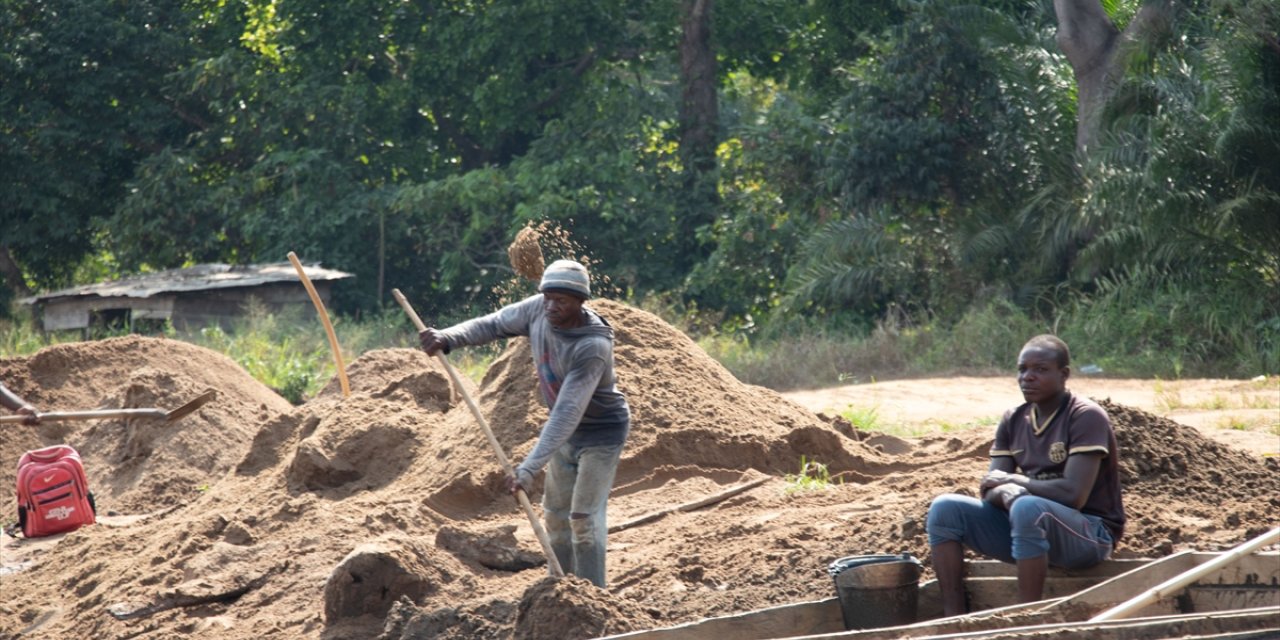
[1244, 414]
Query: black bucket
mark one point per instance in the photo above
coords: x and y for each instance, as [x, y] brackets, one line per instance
[877, 590]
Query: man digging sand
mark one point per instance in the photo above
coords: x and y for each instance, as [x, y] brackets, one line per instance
[589, 420]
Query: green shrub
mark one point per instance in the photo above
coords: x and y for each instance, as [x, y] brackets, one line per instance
[813, 476]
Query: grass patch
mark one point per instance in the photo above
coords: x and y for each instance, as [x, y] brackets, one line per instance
[1236, 423]
[863, 418]
[985, 422]
[1252, 401]
[1247, 423]
[1168, 397]
[813, 476]
[1217, 403]
[19, 337]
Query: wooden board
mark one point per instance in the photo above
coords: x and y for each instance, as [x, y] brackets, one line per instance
[804, 618]
[1253, 622]
[1104, 569]
[1071, 598]
[1229, 597]
[1254, 569]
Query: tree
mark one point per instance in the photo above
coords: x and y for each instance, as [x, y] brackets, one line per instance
[940, 140]
[1100, 53]
[85, 96]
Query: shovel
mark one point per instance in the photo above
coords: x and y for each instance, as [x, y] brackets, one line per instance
[106, 414]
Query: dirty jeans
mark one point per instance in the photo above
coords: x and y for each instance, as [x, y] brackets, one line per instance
[1033, 527]
[573, 502]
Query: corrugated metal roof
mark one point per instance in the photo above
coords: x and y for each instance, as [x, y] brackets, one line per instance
[198, 278]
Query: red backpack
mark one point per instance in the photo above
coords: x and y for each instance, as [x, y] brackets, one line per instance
[53, 493]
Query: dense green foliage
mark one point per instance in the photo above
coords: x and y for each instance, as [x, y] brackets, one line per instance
[881, 165]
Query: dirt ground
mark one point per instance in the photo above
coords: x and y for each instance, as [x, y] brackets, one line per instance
[1244, 414]
[382, 514]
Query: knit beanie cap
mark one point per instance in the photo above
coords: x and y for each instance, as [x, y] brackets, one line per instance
[566, 276]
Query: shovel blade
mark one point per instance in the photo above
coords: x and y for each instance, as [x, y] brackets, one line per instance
[190, 407]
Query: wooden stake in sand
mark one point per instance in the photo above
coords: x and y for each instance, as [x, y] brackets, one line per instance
[324, 318]
[526, 254]
[552, 563]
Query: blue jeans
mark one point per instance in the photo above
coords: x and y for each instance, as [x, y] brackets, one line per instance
[1034, 527]
[573, 503]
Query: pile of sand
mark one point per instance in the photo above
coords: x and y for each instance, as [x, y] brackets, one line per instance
[138, 465]
[383, 514]
[1181, 487]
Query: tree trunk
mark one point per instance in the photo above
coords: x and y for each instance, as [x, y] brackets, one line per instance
[13, 273]
[699, 113]
[1098, 53]
[699, 110]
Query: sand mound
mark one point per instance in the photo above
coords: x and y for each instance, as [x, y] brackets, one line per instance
[383, 514]
[1182, 487]
[687, 409]
[138, 465]
[572, 608]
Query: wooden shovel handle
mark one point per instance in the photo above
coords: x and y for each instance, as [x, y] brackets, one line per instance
[324, 319]
[545, 541]
[100, 414]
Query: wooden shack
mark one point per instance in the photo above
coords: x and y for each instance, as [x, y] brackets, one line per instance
[190, 297]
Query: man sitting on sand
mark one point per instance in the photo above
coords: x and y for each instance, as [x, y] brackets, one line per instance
[1052, 493]
[12, 402]
[582, 439]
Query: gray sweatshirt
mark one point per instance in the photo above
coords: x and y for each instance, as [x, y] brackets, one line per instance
[575, 375]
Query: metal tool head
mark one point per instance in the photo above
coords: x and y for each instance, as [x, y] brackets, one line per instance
[190, 407]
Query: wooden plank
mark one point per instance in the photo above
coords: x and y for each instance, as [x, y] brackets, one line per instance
[64, 318]
[1229, 597]
[994, 592]
[1105, 569]
[75, 313]
[1259, 568]
[1124, 586]
[720, 496]
[805, 618]
[1253, 581]
[1262, 568]
[1177, 626]
[986, 590]
[1018, 628]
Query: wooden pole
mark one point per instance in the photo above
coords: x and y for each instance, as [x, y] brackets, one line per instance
[545, 541]
[689, 506]
[1175, 584]
[324, 318]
